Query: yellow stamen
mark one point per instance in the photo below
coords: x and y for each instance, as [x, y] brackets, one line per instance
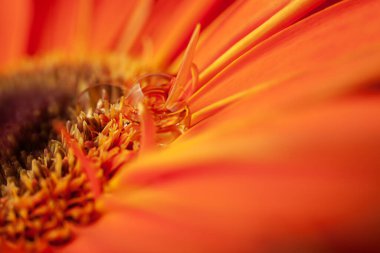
[88, 167]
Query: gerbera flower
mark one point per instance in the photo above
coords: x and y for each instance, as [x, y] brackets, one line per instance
[189, 126]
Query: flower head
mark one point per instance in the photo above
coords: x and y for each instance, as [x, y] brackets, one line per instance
[189, 126]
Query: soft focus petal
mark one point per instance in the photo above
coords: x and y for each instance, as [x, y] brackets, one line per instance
[133, 28]
[7, 249]
[14, 24]
[319, 45]
[169, 27]
[65, 26]
[301, 182]
[104, 32]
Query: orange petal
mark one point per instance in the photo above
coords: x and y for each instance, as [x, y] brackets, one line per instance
[289, 14]
[291, 93]
[180, 87]
[330, 44]
[109, 19]
[148, 129]
[14, 24]
[232, 25]
[66, 27]
[136, 21]
[306, 181]
[170, 26]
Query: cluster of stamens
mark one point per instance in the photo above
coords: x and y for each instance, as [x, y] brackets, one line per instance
[48, 188]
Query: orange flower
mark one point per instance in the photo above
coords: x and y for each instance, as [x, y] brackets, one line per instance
[265, 139]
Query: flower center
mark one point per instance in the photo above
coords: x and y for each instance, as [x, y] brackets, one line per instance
[65, 132]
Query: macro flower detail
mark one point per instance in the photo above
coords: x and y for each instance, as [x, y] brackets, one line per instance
[49, 181]
[189, 126]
